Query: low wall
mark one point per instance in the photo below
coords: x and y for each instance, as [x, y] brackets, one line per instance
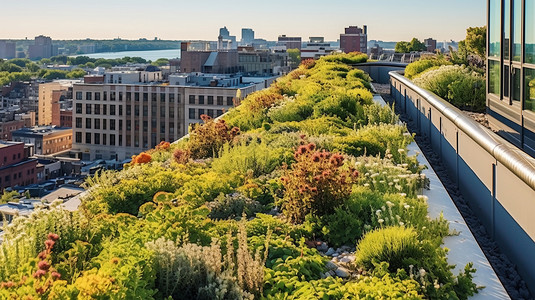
[379, 71]
[496, 178]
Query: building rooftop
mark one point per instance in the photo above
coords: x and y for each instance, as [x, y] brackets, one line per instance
[4, 144]
[40, 130]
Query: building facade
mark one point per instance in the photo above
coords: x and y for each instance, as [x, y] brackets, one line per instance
[7, 49]
[9, 126]
[15, 167]
[50, 95]
[42, 48]
[354, 39]
[116, 121]
[511, 70]
[247, 36]
[430, 44]
[289, 42]
[46, 139]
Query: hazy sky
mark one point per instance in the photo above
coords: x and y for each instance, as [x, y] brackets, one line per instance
[388, 20]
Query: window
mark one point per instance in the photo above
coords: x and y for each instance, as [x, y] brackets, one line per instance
[171, 112]
[120, 124]
[88, 95]
[88, 109]
[128, 125]
[97, 139]
[219, 100]
[201, 99]
[229, 101]
[153, 97]
[171, 98]
[112, 96]
[112, 139]
[97, 95]
[120, 110]
[210, 100]
[78, 95]
[136, 111]
[162, 111]
[112, 124]
[219, 112]
[516, 84]
[506, 29]
[104, 139]
[104, 109]
[494, 77]
[97, 109]
[128, 97]
[120, 96]
[530, 32]
[104, 124]
[136, 97]
[145, 111]
[211, 113]
[88, 137]
[162, 97]
[192, 113]
[104, 96]
[88, 123]
[78, 137]
[112, 110]
[201, 112]
[97, 123]
[128, 110]
[78, 108]
[120, 140]
[494, 28]
[529, 88]
[145, 97]
[191, 99]
[162, 127]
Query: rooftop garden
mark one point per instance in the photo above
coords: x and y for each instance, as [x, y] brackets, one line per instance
[304, 191]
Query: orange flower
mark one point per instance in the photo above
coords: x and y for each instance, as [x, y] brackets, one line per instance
[142, 158]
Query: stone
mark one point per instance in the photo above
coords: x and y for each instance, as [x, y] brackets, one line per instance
[335, 254]
[342, 272]
[331, 266]
[347, 259]
[327, 275]
[332, 272]
[323, 247]
[329, 252]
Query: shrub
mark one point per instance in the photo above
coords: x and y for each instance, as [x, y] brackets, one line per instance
[394, 245]
[142, 158]
[316, 183]
[233, 206]
[416, 68]
[457, 85]
[207, 139]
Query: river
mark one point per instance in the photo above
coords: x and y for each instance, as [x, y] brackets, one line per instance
[148, 55]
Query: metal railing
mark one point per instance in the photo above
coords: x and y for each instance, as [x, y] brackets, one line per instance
[496, 178]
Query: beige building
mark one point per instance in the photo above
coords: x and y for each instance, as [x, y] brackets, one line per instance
[50, 95]
[120, 120]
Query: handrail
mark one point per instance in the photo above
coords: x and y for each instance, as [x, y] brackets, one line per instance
[518, 162]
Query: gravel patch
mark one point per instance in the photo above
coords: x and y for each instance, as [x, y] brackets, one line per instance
[504, 268]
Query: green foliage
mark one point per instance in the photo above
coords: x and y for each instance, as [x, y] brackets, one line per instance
[416, 68]
[413, 46]
[8, 197]
[161, 62]
[207, 140]
[476, 40]
[456, 84]
[398, 246]
[295, 57]
[233, 206]
[76, 73]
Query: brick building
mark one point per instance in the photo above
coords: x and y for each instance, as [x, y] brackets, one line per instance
[47, 139]
[15, 167]
[354, 39]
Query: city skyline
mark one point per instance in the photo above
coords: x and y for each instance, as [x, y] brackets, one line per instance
[268, 20]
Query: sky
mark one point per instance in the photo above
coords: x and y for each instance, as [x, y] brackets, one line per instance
[387, 20]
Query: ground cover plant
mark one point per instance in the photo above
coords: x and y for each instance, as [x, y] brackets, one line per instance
[249, 207]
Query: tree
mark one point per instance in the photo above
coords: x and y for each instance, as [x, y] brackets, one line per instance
[476, 40]
[8, 196]
[295, 57]
[161, 62]
[402, 47]
[76, 73]
[416, 45]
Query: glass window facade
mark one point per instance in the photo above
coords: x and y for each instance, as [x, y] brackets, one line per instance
[494, 77]
[506, 27]
[530, 32]
[529, 89]
[494, 28]
[517, 30]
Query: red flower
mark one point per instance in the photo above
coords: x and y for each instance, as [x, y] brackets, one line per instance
[43, 265]
[39, 273]
[55, 275]
[311, 147]
[42, 255]
[49, 244]
[53, 236]
[355, 173]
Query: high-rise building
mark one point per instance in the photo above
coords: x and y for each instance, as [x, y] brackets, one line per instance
[247, 36]
[511, 71]
[430, 44]
[226, 39]
[354, 39]
[7, 49]
[289, 42]
[50, 95]
[42, 48]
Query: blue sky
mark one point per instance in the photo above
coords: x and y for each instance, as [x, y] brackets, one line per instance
[131, 19]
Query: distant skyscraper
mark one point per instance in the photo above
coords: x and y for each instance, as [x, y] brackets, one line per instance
[354, 39]
[225, 38]
[7, 49]
[247, 36]
[224, 33]
[42, 48]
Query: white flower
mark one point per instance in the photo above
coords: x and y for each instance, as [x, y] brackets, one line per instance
[401, 223]
[407, 206]
[402, 194]
[390, 204]
[366, 184]
[378, 212]
[381, 221]
[422, 272]
[401, 150]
